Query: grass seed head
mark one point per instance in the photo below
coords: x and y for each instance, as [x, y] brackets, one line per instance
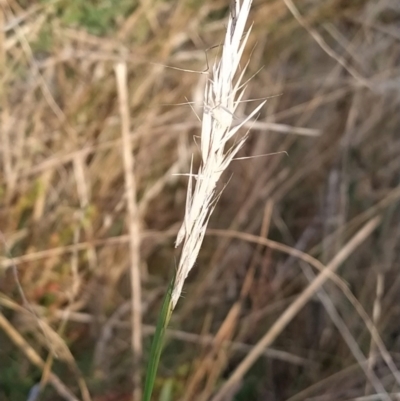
[222, 95]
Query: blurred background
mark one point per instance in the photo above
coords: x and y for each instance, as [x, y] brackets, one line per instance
[332, 71]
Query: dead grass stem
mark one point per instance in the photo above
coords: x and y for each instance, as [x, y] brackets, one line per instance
[134, 229]
[293, 309]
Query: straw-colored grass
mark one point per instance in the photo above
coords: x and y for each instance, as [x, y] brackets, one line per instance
[80, 235]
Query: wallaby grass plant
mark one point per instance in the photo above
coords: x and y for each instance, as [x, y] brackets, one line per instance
[66, 223]
[218, 146]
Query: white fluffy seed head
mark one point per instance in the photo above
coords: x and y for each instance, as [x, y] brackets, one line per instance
[222, 95]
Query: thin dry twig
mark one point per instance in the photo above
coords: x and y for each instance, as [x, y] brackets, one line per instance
[134, 231]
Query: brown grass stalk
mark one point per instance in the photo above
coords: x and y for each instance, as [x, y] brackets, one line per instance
[35, 359]
[134, 231]
[294, 308]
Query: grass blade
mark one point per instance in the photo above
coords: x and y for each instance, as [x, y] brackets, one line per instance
[158, 342]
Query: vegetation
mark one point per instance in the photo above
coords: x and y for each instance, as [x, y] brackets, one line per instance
[256, 319]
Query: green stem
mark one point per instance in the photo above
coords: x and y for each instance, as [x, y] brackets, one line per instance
[158, 341]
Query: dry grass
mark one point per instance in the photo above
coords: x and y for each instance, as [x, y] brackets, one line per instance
[77, 242]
